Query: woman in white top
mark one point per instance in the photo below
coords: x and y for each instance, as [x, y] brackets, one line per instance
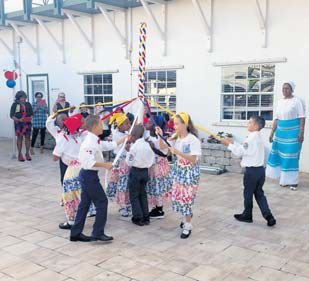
[186, 171]
[287, 136]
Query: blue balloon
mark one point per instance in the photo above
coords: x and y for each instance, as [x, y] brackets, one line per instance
[11, 83]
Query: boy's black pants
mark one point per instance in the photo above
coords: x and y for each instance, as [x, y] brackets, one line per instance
[137, 181]
[92, 191]
[254, 179]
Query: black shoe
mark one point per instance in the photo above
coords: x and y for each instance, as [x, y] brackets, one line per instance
[81, 237]
[157, 213]
[138, 222]
[146, 221]
[271, 221]
[242, 218]
[65, 225]
[103, 238]
[185, 235]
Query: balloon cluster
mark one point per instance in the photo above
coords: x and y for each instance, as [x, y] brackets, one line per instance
[11, 76]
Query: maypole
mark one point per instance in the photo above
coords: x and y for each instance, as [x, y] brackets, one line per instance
[141, 89]
[142, 59]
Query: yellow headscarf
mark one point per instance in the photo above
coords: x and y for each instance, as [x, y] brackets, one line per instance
[119, 118]
[184, 117]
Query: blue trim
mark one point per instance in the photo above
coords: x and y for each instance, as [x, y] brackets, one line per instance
[27, 9]
[2, 13]
[87, 6]
[58, 4]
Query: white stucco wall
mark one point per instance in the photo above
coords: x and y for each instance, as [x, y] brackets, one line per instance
[236, 36]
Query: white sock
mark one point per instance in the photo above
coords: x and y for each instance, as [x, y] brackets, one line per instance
[187, 228]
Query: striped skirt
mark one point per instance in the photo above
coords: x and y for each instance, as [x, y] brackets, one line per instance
[283, 161]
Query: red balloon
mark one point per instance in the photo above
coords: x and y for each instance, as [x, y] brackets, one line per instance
[10, 75]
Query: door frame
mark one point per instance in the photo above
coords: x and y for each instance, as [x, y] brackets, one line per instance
[47, 79]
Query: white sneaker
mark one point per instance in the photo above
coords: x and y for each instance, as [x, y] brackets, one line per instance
[186, 232]
[123, 212]
[294, 188]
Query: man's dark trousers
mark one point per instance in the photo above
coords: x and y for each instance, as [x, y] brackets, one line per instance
[254, 179]
[92, 191]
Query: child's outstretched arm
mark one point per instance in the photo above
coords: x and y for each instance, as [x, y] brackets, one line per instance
[239, 150]
[87, 158]
[51, 127]
[162, 144]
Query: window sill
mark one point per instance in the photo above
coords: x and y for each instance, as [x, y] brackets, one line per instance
[268, 124]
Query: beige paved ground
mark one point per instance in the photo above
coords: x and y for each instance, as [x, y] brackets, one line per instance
[33, 248]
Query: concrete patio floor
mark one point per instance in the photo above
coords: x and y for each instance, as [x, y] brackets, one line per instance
[32, 247]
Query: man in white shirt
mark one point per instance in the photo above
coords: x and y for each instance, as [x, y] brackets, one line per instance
[140, 157]
[252, 152]
[91, 159]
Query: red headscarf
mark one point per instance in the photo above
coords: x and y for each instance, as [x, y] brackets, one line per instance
[73, 123]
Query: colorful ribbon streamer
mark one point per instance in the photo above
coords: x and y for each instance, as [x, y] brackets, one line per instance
[173, 114]
[89, 105]
[117, 109]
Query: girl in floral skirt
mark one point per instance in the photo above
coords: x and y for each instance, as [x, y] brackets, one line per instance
[160, 179]
[186, 171]
[117, 186]
[67, 148]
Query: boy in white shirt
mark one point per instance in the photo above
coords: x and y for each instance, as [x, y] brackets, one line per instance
[92, 160]
[140, 157]
[252, 151]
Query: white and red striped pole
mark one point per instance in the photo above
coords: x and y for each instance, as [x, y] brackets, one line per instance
[142, 59]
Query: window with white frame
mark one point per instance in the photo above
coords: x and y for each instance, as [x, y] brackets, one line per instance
[98, 88]
[247, 90]
[160, 86]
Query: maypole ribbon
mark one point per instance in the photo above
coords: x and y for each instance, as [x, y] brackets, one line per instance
[198, 127]
[89, 105]
[142, 59]
[117, 109]
[125, 142]
[146, 103]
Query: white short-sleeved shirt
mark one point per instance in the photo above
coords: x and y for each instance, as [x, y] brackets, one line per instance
[140, 155]
[91, 151]
[117, 136]
[68, 146]
[288, 109]
[189, 145]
